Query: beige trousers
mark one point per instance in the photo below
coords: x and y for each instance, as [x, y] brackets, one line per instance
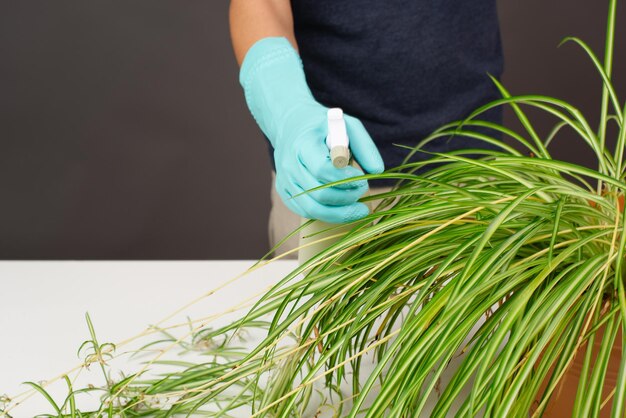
[283, 221]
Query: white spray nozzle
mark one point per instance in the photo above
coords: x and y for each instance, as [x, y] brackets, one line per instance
[337, 139]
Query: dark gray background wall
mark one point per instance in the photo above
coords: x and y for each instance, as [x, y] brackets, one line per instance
[117, 117]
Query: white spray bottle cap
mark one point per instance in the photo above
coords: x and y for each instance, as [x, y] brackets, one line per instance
[337, 139]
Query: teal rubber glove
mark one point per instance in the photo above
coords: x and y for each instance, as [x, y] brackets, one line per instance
[282, 104]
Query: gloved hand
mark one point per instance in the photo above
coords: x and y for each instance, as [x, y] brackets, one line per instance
[296, 124]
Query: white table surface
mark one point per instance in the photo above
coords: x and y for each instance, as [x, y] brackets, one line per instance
[43, 306]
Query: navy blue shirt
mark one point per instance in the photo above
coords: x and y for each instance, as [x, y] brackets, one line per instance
[403, 67]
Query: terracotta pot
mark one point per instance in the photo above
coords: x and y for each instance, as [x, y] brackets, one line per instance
[562, 400]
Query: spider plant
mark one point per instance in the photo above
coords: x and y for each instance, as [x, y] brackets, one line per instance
[507, 264]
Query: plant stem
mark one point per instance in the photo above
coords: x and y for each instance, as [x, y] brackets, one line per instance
[608, 65]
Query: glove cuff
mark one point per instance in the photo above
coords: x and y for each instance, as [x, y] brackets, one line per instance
[272, 77]
[263, 53]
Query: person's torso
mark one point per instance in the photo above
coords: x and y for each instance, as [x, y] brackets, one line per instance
[404, 67]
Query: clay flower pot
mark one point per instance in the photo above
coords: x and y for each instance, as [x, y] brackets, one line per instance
[561, 402]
